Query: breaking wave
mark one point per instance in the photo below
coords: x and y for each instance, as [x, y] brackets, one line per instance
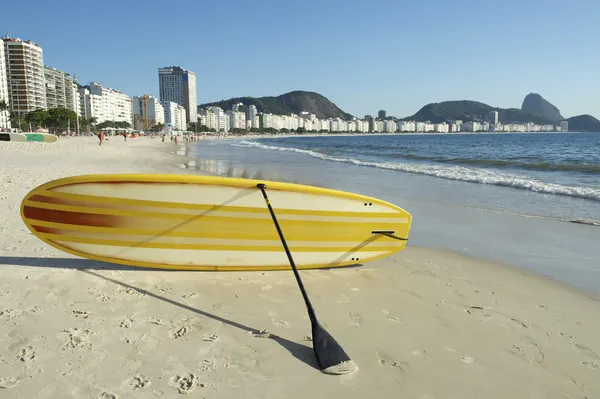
[459, 173]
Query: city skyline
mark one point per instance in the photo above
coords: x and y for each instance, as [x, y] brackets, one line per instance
[393, 61]
[32, 86]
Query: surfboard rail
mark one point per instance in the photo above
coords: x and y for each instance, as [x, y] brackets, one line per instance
[184, 222]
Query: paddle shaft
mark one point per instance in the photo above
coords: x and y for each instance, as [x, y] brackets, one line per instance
[311, 311]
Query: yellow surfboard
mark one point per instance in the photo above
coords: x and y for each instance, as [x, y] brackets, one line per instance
[211, 223]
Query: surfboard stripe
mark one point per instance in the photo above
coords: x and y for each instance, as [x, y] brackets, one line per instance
[206, 215]
[165, 239]
[350, 236]
[45, 202]
[213, 260]
[212, 247]
[83, 200]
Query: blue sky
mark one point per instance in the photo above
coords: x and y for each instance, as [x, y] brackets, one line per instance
[362, 55]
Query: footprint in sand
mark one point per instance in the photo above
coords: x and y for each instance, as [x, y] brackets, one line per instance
[139, 382]
[530, 351]
[467, 360]
[108, 395]
[422, 353]
[591, 365]
[189, 295]
[127, 323]
[184, 384]
[585, 350]
[77, 339]
[178, 332]
[35, 309]
[279, 323]
[156, 320]
[103, 298]
[26, 354]
[399, 368]
[210, 338]
[8, 382]
[519, 323]
[81, 314]
[393, 319]
[355, 319]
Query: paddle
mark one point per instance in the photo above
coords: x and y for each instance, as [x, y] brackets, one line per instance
[331, 357]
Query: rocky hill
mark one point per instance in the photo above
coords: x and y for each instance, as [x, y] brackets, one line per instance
[584, 123]
[292, 102]
[473, 111]
[536, 104]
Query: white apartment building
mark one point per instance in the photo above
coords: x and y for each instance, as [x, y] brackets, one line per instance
[564, 126]
[24, 62]
[222, 122]
[175, 115]
[147, 112]
[390, 126]
[252, 116]
[207, 118]
[179, 86]
[105, 104]
[237, 119]
[60, 90]
[4, 94]
[442, 127]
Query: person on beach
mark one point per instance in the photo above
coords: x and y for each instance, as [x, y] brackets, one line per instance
[100, 137]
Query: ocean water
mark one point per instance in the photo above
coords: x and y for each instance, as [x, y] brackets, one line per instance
[507, 197]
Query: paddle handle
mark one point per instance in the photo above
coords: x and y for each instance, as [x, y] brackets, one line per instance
[311, 311]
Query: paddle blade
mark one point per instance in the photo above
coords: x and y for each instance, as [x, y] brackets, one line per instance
[331, 357]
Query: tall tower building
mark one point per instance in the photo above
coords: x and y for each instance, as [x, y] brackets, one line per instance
[179, 86]
[381, 114]
[493, 119]
[4, 97]
[24, 63]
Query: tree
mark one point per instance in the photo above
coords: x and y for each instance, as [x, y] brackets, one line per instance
[157, 127]
[4, 106]
[39, 117]
[61, 118]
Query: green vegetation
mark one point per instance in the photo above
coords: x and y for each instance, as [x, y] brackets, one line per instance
[113, 124]
[584, 123]
[288, 103]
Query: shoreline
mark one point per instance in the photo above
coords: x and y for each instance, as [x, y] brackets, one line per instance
[421, 323]
[210, 136]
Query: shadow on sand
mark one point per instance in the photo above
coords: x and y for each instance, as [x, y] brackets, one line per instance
[299, 351]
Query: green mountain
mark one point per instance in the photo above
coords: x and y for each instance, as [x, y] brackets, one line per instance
[474, 111]
[288, 103]
[536, 104]
[584, 123]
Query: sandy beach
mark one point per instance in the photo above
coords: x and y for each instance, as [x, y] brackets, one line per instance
[423, 323]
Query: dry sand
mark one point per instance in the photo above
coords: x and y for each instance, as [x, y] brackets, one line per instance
[420, 324]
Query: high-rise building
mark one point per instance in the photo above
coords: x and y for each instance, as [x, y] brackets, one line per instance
[105, 104]
[381, 114]
[4, 97]
[179, 86]
[24, 61]
[252, 116]
[147, 111]
[59, 90]
[493, 118]
[564, 126]
[175, 115]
